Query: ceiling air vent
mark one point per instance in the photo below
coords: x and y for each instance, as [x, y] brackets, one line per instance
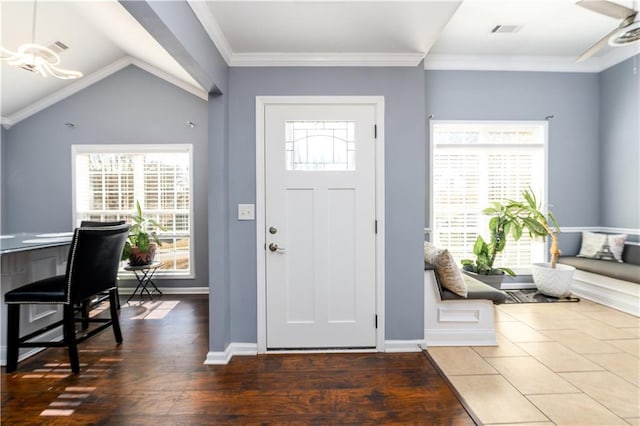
[58, 46]
[502, 29]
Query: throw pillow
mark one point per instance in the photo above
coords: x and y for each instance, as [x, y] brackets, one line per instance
[448, 272]
[602, 246]
[430, 253]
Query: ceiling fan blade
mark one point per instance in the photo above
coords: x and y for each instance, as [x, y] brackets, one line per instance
[608, 8]
[599, 45]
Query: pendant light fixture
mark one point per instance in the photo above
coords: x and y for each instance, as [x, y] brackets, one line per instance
[36, 58]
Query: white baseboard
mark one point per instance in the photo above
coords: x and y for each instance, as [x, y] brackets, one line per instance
[251, 349]
[617, 294]
[51, 335]
[403, 345]
[169, 290]
[239, 349]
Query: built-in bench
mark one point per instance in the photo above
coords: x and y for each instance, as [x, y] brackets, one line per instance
[610, 283]
[452, 320]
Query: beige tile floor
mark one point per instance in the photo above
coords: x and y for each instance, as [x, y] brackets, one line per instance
[555, 363]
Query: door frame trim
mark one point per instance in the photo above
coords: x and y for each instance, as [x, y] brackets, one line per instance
[261, 104]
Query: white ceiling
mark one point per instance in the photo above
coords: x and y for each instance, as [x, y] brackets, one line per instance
[448, 34]
[273, 32]
[102, 37]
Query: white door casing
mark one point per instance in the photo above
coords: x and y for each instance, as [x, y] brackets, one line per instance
[324, 284]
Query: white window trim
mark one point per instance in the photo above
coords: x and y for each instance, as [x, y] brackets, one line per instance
[133, 148]
[545, 203]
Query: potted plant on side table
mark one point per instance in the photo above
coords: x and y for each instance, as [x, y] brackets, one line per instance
[140, 248]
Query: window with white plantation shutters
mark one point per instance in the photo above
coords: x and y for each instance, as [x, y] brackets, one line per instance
[109, 179]
[475, 163]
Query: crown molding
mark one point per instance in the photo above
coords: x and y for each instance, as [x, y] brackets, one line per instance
[93, 78]
[69, 90]
[508, 63]
[5, 122]
[326, 59]
[211, 27]
[527, 63]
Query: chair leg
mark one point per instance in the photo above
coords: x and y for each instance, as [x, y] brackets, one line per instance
[115, 321]
[13, 336]
[69, 331]
[84, 311]
[117, 297]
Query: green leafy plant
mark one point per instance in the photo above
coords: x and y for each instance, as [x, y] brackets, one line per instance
[538, 223]
[512, 218]
[503, 222]
[139, 234]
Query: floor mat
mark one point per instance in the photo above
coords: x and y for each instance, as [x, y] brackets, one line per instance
[531, 295]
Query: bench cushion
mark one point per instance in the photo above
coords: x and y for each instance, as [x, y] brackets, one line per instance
[476, 290]
[631, 254]
[621, 271]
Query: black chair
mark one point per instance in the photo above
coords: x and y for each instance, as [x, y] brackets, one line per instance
[87, 304]
[92, 268]
[95, 223]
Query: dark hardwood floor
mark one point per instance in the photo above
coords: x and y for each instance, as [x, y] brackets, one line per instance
[157, 377]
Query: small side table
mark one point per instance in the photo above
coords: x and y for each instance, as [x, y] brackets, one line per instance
[143, 274]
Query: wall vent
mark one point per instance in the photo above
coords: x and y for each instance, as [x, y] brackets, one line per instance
[501, 29]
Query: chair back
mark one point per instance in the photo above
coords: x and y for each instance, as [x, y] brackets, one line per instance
[95, 223]
[94, 260]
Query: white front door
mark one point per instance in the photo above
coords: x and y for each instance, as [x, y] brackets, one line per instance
[320, 212]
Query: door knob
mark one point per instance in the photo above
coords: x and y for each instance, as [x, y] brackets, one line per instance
[274, 247]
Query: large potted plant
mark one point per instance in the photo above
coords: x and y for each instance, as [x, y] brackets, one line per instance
[550, 278]
[504, 221]
[140, 248]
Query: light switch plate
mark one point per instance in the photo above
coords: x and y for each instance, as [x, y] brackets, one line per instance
[246, 211]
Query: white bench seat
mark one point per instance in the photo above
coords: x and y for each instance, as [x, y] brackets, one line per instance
[457, 321]
[612, 284]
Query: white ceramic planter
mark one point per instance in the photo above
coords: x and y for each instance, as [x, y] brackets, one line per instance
[553, 281]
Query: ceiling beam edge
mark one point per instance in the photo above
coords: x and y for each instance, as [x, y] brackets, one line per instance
[176, 28]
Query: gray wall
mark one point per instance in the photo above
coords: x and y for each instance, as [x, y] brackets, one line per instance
[219, 217]
[3, 194]
[403, 89]
[574, 146]
[620, 145]
[128, 107]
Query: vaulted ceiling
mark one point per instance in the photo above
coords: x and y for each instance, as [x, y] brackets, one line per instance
[103, 37]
